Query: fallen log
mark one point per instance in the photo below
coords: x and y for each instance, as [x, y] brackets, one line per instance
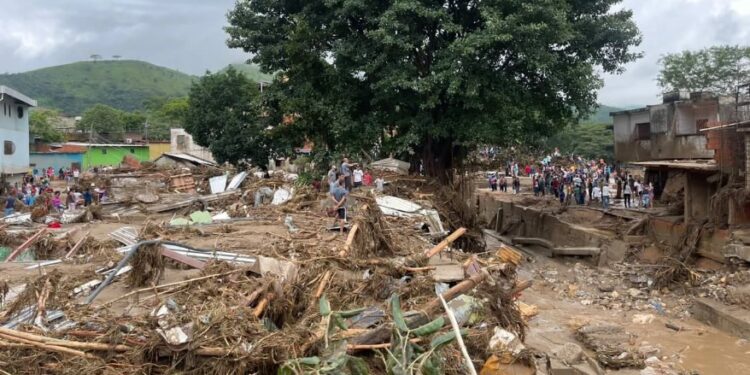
[52, 348]
[445, 243]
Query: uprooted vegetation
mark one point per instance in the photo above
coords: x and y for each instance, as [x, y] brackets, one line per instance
[303, 299]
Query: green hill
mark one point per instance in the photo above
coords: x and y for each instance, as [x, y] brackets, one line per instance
[601, 116]
[251, 71]
[75, 87]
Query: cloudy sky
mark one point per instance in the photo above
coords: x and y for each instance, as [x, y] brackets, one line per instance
[187, 35]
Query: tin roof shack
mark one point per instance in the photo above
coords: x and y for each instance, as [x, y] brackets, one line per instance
[56, 156]
[14, 133]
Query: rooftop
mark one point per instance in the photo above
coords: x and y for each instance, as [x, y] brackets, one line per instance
[5, 90]
[694, 164]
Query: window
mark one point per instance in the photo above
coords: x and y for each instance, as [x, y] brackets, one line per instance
[181, 140]
[9, 148]
[643, 131]
[19, 110]
[104, 151]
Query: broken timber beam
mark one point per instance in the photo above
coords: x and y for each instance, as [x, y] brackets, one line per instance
[445, 243]
[77, 246]
[30, 241]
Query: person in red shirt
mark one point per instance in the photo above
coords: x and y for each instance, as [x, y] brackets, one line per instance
[367, 178]
[528, 170]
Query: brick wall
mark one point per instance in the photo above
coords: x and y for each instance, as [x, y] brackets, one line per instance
[729, 148]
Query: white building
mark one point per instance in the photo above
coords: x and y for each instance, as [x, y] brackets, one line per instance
[181, 142]
[14, 133]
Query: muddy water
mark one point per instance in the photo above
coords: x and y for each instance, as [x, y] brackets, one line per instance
[700, 348]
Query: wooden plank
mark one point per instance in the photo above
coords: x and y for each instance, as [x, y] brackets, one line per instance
[192, 262]
[77, 246]
[20, 249]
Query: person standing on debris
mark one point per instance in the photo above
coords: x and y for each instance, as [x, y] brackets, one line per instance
[357, 175]
[503, 183]
[76, 175]
[10, 204]
[346, 171]
[338, 195]
[57, 202]
[71, 200]
[638, 189]
[332, 178]
[596, 194]
[627, 192]
[367, 178]
[87, 197]
[379, 182]
[516, 185]
[605, 196]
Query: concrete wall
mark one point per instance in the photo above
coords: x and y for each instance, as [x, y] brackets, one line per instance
[187, 146]
[697, 197]
[626, 147]
[55, 160]
[158, 149]
[16, 130]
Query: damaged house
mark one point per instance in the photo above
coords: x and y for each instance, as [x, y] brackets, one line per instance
[694, 150]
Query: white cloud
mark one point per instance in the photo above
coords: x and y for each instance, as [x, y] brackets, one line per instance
[670, 26]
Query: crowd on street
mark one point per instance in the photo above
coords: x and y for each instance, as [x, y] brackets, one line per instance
[592, 182]
[37, 189]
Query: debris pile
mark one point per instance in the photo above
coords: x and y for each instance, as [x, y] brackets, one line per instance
[236, 288]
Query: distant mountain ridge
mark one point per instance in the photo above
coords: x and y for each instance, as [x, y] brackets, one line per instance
[123, 84]
[601, 116]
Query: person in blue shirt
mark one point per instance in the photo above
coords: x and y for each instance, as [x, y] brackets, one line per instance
[10, 204]
[338, 196]
[87, 197]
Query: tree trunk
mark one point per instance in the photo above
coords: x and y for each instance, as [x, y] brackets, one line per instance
[437, 158]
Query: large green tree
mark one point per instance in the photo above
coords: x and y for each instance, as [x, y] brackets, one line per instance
[42, 125]
[103, 119]
[431, 78]
[223, 114]
[719, 69]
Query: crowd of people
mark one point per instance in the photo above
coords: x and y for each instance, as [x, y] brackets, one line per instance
[342, 179]
[37, 189]
[592, 182]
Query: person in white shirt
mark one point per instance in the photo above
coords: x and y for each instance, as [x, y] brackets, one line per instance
[379, 182]
[596, 193]
[638, 192]
[605, 196]
[357, 175]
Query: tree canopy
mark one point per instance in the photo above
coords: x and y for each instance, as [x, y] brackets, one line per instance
[431, 78]
[42, 125]
[719, 69]
[103, 119]
[223, 115]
